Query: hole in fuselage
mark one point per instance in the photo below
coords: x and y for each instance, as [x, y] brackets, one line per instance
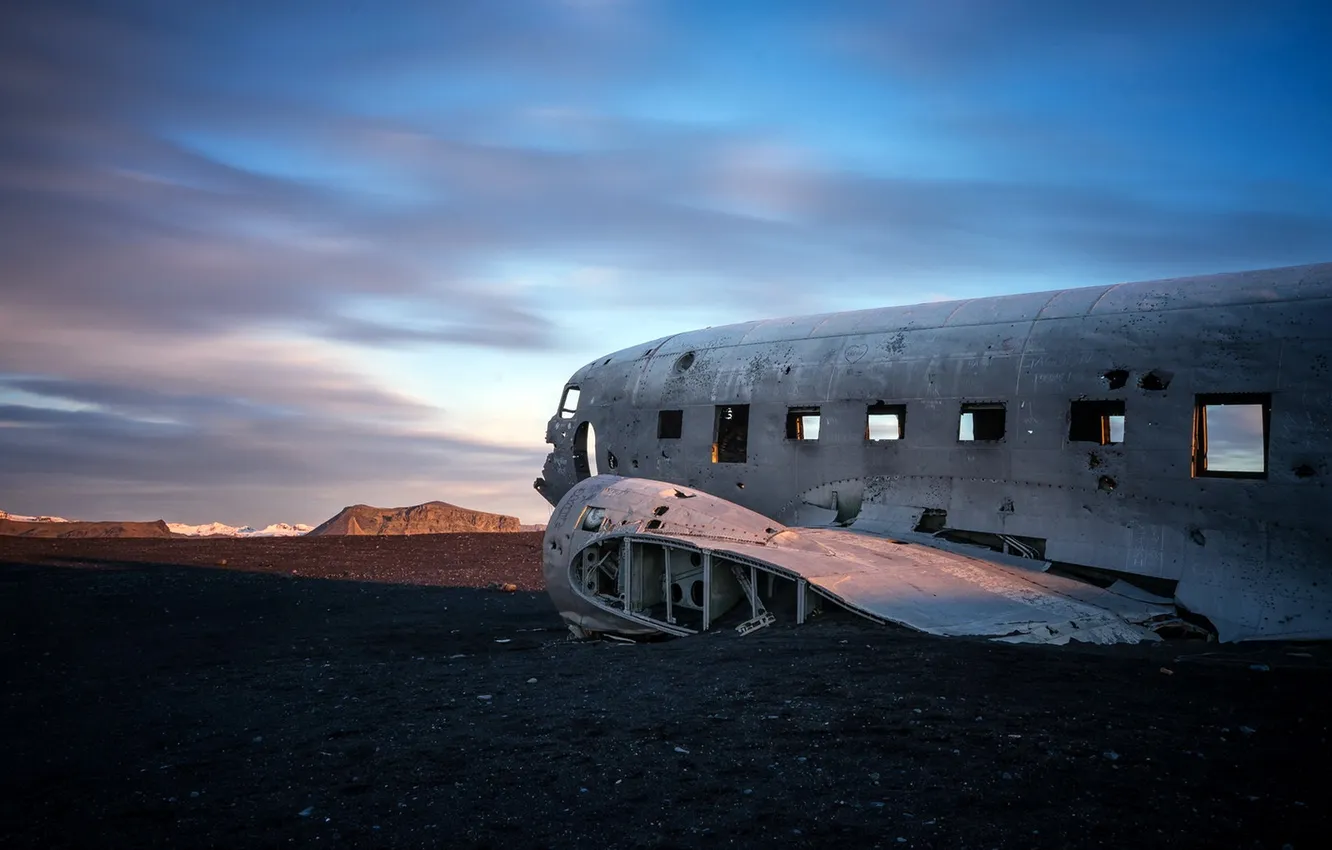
[585, 451]
[1156, 380]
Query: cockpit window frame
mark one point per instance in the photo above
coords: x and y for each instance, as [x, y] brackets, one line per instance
[565, 410]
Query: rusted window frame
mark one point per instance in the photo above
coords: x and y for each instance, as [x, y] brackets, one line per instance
[795, 422]
[718, 418]
[1104, 406]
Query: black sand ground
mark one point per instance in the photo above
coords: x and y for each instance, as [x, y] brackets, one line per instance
[151, 704]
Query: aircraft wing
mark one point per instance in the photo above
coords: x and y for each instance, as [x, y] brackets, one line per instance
[954, 593]
[636, 556]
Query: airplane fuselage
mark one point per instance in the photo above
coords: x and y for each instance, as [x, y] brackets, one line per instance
[1178, 430]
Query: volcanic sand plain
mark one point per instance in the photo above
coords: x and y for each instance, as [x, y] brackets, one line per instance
[378, 691]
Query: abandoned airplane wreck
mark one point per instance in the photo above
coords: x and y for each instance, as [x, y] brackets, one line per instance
[1086, 464]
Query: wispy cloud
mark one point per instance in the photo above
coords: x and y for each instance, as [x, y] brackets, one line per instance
[215, 218]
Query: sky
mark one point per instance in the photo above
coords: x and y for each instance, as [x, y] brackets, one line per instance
[261, 260]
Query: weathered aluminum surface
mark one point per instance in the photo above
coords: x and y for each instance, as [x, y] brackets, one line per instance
[1252, 555]
[923, 588]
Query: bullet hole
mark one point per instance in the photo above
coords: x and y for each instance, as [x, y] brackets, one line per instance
[634, 463]
[1007, 506]
[1106, 483]
[740, 485]
[554, 547]
[769, 531]
[1196, 535]
[1093, 460]
[611, 460]
[684, 361]
[1156, 380]
[665, 455]
[604, 362]
[653, 523]
[1304, 470]
[660, 510]
[786, 371]
[1116, 378]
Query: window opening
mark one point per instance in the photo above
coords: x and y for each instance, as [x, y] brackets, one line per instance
[569, 403]
[731, 434]
[670, 424]
[885, 421]
[802, 423]
[585, 451]
[1230, 438]
[1096, 422]
[981, 422]
[593, 518]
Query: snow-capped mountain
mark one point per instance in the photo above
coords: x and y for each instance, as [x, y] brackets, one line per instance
[20, 518]
[212, 529]
[217, 529]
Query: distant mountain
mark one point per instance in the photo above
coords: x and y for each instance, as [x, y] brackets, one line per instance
[18, 518]
[217, 529]
[430, 518]
[175, 529]
[69, 529]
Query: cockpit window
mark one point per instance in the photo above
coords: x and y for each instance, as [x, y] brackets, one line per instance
[569, 404]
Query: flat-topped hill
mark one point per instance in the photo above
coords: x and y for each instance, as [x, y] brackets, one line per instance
[430, 518]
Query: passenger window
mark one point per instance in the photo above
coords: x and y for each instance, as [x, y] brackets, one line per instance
[981, 422]
[885, 422]
[1231, 435]
[569, 404]
[802, 423]
[670, 424]
[731, 434]
[1096, 422]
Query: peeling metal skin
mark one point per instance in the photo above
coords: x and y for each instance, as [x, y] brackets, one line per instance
[633, 556]
[1252, 553]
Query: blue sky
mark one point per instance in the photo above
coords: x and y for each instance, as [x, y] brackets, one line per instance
[260, 260]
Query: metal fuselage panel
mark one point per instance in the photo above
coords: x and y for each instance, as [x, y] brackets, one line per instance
[1136, 506]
